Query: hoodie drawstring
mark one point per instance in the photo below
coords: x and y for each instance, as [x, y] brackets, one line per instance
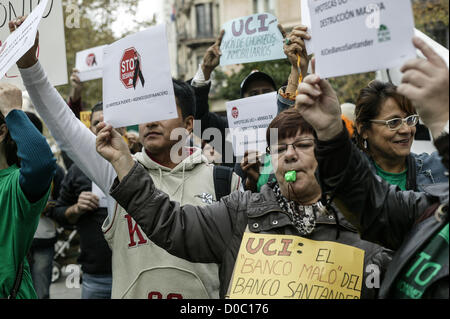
[182, 183]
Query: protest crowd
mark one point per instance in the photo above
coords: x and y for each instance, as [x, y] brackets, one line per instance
[336, 207]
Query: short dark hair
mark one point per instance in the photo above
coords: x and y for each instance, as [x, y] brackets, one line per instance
[97, 107]
[185, 97]
[36, 121]
[369, 104]
[289, 123]
[10, 146]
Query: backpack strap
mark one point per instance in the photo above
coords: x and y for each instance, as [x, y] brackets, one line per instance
[223, 177]
[17, 282]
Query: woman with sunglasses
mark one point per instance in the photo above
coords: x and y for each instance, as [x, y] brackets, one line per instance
[385, 128]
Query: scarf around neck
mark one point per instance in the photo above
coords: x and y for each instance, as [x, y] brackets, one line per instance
[303, 217]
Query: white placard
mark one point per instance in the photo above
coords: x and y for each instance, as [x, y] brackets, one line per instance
[251, 39]
[131, 96]
[90, 63]
[361, 35]
[52, 45]
[306, 21]
[101, 196]
[248, 120]
[21, 40]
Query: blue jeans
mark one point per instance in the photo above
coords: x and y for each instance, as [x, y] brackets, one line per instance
[96, 286]
[41, 270]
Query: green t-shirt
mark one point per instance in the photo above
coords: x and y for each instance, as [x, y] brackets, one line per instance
[267, 174]
[398, 179]
[420, 271]
[18, 223]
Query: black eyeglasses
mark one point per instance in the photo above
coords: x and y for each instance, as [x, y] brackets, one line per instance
[299, 145]
[396, 123]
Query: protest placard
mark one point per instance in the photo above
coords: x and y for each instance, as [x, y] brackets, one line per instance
[306, 21]
[137, 82]
[102, 199]
[21, 40]
[248, 120]
[292, 267]
[360, 36]
[251, 39]
[52, 45]
[85, 118]
[89, 63]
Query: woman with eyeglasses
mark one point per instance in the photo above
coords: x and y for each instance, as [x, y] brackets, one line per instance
[385, 124]
[291, 205]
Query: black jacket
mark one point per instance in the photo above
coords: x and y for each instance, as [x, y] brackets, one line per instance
[384, 214]
[95, 256]
[213, 234]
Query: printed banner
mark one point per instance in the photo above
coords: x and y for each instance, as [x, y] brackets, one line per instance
[52, 44]
[90, 63]
[251, 39]
[137, 82]
[292, 267]
[361, 35]
[248, 120]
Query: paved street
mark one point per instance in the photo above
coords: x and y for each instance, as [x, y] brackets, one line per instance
[65, 288]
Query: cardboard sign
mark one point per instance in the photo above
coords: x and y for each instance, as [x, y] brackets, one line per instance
[248, 120]
[251, 39]
[291, 267]
[137, 82]
[90, 63]
[360, 36]
[21, 40]
[85, 118]
[52, 45]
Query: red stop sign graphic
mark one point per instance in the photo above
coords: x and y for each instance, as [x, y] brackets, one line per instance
[91, 60]
[128, 66]
[235, 112]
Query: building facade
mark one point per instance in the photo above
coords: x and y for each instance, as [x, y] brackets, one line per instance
[198, 23]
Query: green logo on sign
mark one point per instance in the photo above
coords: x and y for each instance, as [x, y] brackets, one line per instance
[384, 34]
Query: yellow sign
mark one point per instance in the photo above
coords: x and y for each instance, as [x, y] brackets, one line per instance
[85, 118]
[292, 267]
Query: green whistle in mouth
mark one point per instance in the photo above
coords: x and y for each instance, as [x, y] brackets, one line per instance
[291, 176]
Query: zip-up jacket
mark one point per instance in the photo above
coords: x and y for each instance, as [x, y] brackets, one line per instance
[213, 234]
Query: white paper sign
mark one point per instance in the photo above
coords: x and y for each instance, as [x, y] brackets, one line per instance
[52, 45]
[101, 196]
[90, 63]
[21, 40]
[306, 21]
[361, 35]
[137, 82]
[248, 120]
[251, 39]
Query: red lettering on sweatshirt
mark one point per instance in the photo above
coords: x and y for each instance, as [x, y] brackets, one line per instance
[134, 230]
